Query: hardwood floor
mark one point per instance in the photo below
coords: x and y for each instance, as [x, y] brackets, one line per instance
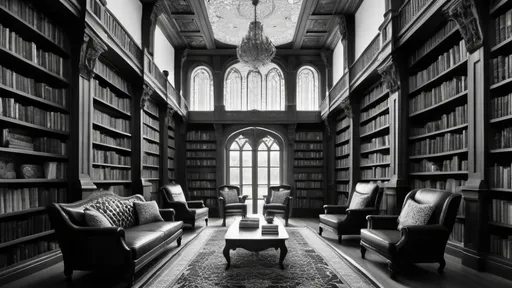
[421, 275]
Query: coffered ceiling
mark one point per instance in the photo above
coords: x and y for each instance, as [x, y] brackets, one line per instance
[295, 24]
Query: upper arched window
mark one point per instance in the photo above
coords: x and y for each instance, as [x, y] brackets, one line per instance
[275, 90]
[233, 91]
[307, 89]
[201, 89]
[254, 90]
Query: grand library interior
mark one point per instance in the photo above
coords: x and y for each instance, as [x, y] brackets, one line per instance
[256, 143]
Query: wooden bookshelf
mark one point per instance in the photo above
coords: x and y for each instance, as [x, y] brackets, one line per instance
[342, 161]
[151, 147]
[171, 151]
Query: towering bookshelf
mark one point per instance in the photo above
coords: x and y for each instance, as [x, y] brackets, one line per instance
[438, 116]
[308, 167]
[151, 148]
[342, 161]
[201, 159]
[171, 151]
[111, 133]
[34, 122]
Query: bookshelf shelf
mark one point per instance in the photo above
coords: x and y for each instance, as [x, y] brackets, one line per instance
[151, 114]
[375, 115]
[150, 139]
[377, 99]
[117, 90]
[502, 84]
[32, 153]
[33, 126]
[443, 103]
[152, 127]
[111, 165]
[108, 129]
[383, 148]
[499, 7]
[22, 212]
[501, 190]
[151, 153]
[35, 180]
[451, 129]
[375, 179]
[152, 179]
[444, 154]
[151, 166]
[376, 131]
[441, 77]
[112, 181]
[342, 167]
[501, 119]
[111, 147]
[342, 129]
[504, 150]
[25, 97]
[375, 164]
[26, 239]
[502, 225]
[451, 36]
[337, 144]
[448, 173]
[119, 112]
[503, 46]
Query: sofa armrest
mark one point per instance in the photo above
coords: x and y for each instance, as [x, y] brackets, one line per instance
[335, 209]
[382, 221]
[167, 214]
[242, 198]
[195, 204]
[422, 236]
[362, 212]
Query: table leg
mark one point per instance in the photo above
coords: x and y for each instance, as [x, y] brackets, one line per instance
[283, 253]
[226, 255]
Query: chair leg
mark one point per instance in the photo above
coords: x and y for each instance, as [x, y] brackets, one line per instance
[363, 251]
[206, 221]
[442, 264]
[339, 238]
[178, 241]
[68, 273]
[320, 230]
[286, 222]
[224, 221]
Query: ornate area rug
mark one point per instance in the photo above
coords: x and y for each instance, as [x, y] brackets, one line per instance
[311, 262]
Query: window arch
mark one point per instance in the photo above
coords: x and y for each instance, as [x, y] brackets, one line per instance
[233, 91]
[275, 90]
[254, 90]
[307, 89]
[201, 89]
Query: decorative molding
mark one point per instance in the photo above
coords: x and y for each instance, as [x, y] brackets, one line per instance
[389, 75]
[92, 47]
[184, 56]
[147, 90]
[170, 113]
[158, 9]
[465, 14]
[347, 108]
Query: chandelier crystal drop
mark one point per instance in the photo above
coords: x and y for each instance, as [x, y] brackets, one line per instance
[256, 49]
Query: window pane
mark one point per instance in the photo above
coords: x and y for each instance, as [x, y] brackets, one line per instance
[274, 158]
[307, 89]
[262, 158]
[247, 190]
[201, 98]
[247, 147]
[234, 146]
[274, 176]
[246, 158]
[262, 190]
[233, 90]
[247, 175]
[274, 147]
[262, 176]
[234, 158]
[234, 176]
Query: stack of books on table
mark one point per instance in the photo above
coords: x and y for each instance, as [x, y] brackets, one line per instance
[249, 222]
[269, 229]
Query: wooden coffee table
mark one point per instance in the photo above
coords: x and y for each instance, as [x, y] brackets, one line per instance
[253, 240]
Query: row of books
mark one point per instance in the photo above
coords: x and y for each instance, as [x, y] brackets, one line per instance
[501, 246]
[13, 200]
[150, 174]
[16, 139]
[200, 135]
[201, 154]
[375, 172]
[201, 175]
[374, 143]
[375, 158]
[26, 12]
[308, 185]
[343, 150]
[109, 121]
[410, 10]
[314, 136]
[500, 175]
[108, 72]
[171, 175]
[438, 94]
[452, 185]
[150, 160]
[28, 50]
[454, 164]
[30, 86]
[17, 228]
[457, 234]
[170, 163]
[269, 229]
[308, 162]
[110, 97]
[201, 162]
[108, 173]
[308, 203]
[371, 96]
[342, 198]
[343, 187]
[432, 42]
[308, 176]
[309, 193]
[48, 170]
[502, 139]
[170, 133]
[203, 193]
[379, 122]
[309, 154]
[344, 162]
[445, 61]
[201, 184]
[25, 251]
[152, 122]
[345, 135]
[249, 222]
[204, 146]
[34, 115]
[171, 143]
[151, 147]
[374, 110]
[440, 144]
[110, 157]
[308, 146]
[503, 27]
[501, 68]
[211, 203]
[458, 117]
[99, 137]
[341, 175]
[501, 106]
[345, 122]
[150, 133]
[501, 211]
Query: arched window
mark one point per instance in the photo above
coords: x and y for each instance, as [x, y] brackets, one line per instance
[240, 164]
[254, 90]
[233, 91]
[307, 89]
[275, 90]
[201, 90]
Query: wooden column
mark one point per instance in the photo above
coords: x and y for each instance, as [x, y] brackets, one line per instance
[290, 76]
[292, 133]
[218, 85]
[221, 159]
[351, 109]
[147, 91]
[329, 160]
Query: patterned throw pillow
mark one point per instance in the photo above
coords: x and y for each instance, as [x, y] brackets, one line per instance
[75, 215]
[119, 212]
[359, 200]
[415, 214]
[279, 196]
[94, 218]
[147, 212]
[230, 196]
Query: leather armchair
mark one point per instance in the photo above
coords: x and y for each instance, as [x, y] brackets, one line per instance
[187, 211]
[344, 221]
[278, 208]
[229, 209]
[413, 243]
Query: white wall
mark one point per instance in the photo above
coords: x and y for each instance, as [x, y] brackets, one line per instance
[369, 17]
[163, 54]
[337, 63]
[129, 13]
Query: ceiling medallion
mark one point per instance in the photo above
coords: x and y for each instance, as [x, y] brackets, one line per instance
[256, 49]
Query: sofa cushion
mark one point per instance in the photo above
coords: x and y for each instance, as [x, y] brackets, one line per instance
[275, 206]
[279, 196]
[141, 242]
[200, 212]
[167, 227]
[235, 206]
[332, 220]
[359, 200]
[75, 215]
[120, 212]
[414, 213]
[382, 240]
[147, 212]
[230, 196]
[94, 218]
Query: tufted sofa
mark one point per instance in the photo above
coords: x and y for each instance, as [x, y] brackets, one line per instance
[124, 247]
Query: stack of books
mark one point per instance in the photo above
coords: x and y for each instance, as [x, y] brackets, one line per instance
[249, 222]
[12, 139]
[269, 229]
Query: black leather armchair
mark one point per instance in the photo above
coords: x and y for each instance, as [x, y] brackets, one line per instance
[229, 209]
[344, 221]
[278, 208]
[187, 211]
[413, 243]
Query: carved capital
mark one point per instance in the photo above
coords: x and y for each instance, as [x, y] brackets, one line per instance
[147, 90]
[327, 126]
[91, 49]
[347, 108]
[170, 113]
[184, 56]
[342, 25]
[158, 9]
[465, 14]
[325, 60]
[388, 72]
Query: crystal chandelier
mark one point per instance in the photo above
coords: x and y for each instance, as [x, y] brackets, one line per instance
[255, 50]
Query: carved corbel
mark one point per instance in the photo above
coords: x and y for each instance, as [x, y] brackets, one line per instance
[342, 25]
[347, 108]
[388, 72]
[465, 14]
[184, 56]
[91, 49]
[327, 126]
[170, 113]
[147, 90]
[158, 9]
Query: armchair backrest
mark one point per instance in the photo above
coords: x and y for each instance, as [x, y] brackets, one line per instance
[172, 192]
[229, 187]
[446, 204]
[277, 188]
[368, 188]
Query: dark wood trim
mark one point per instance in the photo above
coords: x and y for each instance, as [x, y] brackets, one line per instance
[30, 266]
